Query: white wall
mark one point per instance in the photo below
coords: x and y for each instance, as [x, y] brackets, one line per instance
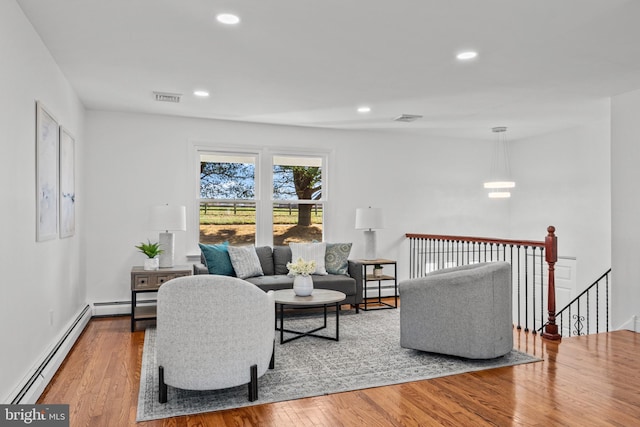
[126, 163]
[135, 161]
[426, 185]
[37, 277]
[563, 179]
[625, 208]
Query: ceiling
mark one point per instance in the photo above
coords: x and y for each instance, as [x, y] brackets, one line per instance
[542, 65]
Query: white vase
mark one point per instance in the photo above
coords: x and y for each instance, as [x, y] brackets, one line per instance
[151, 263]
[303, 285]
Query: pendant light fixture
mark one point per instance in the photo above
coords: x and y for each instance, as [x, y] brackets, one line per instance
[500, 181]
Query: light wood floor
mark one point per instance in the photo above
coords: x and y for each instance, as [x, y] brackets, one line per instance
[583, 381]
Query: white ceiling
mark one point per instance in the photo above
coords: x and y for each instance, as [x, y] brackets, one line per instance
[543, 65]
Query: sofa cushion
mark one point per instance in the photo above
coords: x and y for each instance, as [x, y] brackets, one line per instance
[217, 259]
[344, 284]
[265, 255]
[245, 261]
[272, 283]
[309, 252]
[281, 256]
[336, 258]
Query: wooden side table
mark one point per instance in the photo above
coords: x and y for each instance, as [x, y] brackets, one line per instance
[150, 281]
[368, 276]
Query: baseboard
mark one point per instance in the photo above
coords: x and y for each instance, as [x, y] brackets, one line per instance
[633, 324]
[30, 389]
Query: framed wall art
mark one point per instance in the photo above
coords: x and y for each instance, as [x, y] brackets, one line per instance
[47, 141]
[67, 184]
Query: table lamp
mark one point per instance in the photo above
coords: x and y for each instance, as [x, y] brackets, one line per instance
[168, 218]
[369, 219]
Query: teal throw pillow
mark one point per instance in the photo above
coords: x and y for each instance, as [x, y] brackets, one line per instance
[336, 258]
[218, 260]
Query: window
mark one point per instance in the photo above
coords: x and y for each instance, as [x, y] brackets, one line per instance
[297, 199]
[227, 198]
[259, 197]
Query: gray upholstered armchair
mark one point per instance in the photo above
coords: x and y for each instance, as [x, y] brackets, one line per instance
[213, 332]
[462, 311]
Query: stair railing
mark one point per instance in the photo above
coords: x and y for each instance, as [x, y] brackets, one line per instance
[429, 252]
[587, 313]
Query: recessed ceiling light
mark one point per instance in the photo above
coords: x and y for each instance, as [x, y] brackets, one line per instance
[201, 93]
[467, 55]
[228, 18]
[364, 109]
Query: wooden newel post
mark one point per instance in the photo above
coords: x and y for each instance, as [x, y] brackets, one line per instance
[551, 254]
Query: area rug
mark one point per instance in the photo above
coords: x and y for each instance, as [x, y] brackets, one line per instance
[367, 355]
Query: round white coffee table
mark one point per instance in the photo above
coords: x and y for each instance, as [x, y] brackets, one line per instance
[319, 297]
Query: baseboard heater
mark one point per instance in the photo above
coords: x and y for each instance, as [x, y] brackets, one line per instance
[68, 339]
[385, 291]
[117, 308]
[111, 308]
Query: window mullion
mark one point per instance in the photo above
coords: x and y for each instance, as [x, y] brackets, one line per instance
[264, 190]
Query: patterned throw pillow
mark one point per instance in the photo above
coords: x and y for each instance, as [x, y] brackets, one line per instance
[336, 258]
[245, 261]
[217, 258]
[308, 252]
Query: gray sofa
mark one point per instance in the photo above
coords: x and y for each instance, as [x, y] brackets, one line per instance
[274, 266]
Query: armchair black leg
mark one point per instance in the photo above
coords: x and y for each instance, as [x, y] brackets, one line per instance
[162, 387]
[272, 362]
[253, 385]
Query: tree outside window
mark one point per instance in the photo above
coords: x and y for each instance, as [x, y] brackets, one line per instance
[227, 199]
[229, 203]
[297, 195]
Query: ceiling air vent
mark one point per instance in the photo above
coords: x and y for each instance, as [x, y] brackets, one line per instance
[407, 118]
[167, 97]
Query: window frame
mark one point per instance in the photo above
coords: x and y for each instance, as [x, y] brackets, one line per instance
[324, 157]
[264, 199]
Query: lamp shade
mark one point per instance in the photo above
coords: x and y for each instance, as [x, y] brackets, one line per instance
[168, 218]
[369, 218]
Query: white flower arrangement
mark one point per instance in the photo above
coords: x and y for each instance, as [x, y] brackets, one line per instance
[301, 267]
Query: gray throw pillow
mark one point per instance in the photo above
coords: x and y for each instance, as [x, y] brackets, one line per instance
[245, 261]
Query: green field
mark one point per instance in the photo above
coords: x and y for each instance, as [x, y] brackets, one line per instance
[219, 215]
